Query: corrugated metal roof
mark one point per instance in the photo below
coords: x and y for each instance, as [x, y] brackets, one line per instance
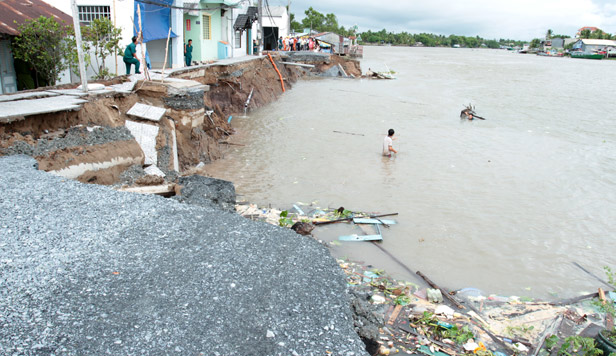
[19, 11]
[253, 13]
[242, 23]
[592, 42]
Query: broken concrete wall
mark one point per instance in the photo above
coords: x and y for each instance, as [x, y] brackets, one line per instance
[94, 155]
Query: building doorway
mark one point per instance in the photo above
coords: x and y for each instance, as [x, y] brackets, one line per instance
[270, 38]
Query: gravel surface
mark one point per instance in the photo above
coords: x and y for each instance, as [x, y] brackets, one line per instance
[75, 136]
[85, 270]
[208, 192]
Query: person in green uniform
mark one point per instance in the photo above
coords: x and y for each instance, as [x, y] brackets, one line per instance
[188, 53]
[130, 56]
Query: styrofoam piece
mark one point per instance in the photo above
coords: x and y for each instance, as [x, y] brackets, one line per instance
[93, 86]
[176, 159]
[145, 135]
[147, 112]
[154, 171]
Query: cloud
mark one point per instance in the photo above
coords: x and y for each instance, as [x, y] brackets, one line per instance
[515, 19]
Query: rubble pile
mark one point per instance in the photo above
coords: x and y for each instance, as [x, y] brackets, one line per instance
[397, 317]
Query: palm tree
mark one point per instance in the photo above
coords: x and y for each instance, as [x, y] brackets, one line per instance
[548, 35]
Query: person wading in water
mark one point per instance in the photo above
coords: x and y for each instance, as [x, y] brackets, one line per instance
[388, 144]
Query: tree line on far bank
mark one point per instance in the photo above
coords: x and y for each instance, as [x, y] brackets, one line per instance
[319, 22]
[433, 40]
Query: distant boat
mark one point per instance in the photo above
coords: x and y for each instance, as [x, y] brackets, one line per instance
[586, 55]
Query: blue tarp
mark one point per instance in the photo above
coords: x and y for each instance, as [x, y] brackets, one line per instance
[155, 19]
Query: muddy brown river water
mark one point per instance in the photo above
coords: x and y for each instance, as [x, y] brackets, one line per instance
[505, 205]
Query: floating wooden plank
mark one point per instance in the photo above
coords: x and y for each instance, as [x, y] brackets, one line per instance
[366, 229]
[356, 237]
[373, 221]
[349, 219]
[147, 112]
[394, 314]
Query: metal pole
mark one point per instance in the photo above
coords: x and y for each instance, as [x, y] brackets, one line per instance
[82, 65]
[289, 14]
[260, 33]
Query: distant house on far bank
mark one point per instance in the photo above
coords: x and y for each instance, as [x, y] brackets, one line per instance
[589, 28]
[588, 45]
[558, 43]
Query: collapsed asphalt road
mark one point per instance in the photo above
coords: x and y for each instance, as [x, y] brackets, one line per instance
[86, 270]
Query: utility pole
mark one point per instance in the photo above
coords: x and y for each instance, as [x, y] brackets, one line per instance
[260, 31]
[289, 14]
[82, 65]
[114, 25]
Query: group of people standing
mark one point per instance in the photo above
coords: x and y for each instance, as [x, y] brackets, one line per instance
[298, 44]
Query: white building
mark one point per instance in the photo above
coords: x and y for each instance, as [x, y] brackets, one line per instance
[276, 22]
[244, 30]
[124, 16]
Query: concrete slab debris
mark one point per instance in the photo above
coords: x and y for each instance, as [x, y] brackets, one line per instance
[126, 87]
[164, 189]
[147, 112]
[27, 95]
[81, 93]
[72, 92]
[145, 135]
[11, 111]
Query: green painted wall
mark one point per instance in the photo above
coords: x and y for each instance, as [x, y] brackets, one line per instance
[194, 34]
[205, 50]
[209, 48]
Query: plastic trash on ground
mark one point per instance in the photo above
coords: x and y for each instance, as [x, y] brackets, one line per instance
[434, 295]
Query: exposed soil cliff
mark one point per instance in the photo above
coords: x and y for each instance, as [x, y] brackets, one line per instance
[94, 145]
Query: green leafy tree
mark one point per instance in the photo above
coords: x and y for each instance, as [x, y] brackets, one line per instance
[585, 34]
[331, 23]
[535, 43]
[492, 44]
[46, 45]
[103, 38]
[548, 35]
[314, 19]
[295, 25]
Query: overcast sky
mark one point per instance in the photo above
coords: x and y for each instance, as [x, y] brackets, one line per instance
[512, 19]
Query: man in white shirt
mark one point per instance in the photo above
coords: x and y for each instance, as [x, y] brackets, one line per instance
[388, 144]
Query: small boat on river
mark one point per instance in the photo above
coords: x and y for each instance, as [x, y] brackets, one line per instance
[587, 55]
